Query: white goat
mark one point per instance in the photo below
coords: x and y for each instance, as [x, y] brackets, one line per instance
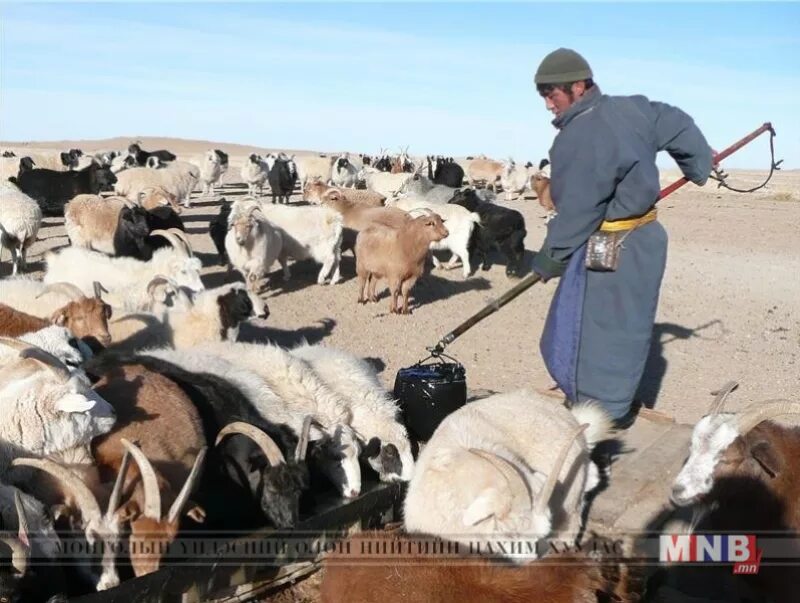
[385, 183]
[252, 243]
[178, 178]
[211, 170]
[491, 466]
[255, 172]
[20, 219]
[343, 172]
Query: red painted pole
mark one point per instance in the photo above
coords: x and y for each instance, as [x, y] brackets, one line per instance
[767, 127]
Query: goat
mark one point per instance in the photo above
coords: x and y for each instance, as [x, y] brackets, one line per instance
[448, 173]
[252, 244]
[255, 172]
[356, 217]
[14, 323]
[20, 219]
[423, 188]
[343, 173]
[485, 171]
[540, 183]
[310, 167]
[316, 191]
[141, 156]
[491, 467]
[282, 177]
[178, 179]
[515, 179]
[499, 226]
[52, 189]
[218, 229]
[398, 255]
[211, 170]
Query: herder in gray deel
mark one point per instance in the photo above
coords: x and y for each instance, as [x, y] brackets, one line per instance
[604, 182]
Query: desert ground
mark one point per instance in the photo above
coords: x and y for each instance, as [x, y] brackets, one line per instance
[729, 308]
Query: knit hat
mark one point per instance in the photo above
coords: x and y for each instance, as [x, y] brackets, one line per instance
[562, 66]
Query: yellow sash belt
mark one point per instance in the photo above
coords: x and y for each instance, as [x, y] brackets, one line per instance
[630, 223]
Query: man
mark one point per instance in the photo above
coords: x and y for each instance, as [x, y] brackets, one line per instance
[604, 178]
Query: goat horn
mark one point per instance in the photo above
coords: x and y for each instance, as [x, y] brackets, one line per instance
[86, 500]
[116, 493]
[178, 244]
[158, 279]
[516, 483]
[67, 289]
[99, 289]
[552, 478]
[721, 397]
[183, 496]
[23, 530]
[302, 443]
[152, 495]
[19, 554]
[761, 411]
[267, 445]
[42, 357]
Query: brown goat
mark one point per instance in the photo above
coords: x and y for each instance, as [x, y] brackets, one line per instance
[14, 323]
[541, 186]
[357, 217]
[315, 191]
[485, 170]
[396, 254]
[157, 196]
[154, 411]
[357, 575]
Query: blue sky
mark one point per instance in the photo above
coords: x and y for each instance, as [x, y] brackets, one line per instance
[445, 78]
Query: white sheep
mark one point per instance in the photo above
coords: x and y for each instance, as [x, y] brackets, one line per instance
[20, 219]
[252, 243]
[459, 223]
[124, 278]
[255, 172]
[491, 466]
[308, 232]
[374, 413]
[177, 178]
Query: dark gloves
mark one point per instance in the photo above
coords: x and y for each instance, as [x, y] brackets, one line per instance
[547, 267]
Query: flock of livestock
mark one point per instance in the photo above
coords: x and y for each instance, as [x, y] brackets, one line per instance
[131, 415]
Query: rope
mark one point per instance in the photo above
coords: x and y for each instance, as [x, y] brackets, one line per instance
[720, 176]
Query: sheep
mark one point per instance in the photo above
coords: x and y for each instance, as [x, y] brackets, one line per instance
[126, 279]
[397, 568]
[178, 178]
[343, 172]
[491, 467]
[52, 189]
[263, 463]
[356, 217]
[20, 219]
[211, 169]
[308, 232]
[387, 184]
[61, 304]
[310, 167]
[213, 315]
[218, 230]
[459, 223]
[252, 244]
[398, 255]
[515, 179]
[499, 226]
[46, 409]
[315, 191]
[374, 412]
[141, 157]
[255, 172]
[282, 177]
[485, 171]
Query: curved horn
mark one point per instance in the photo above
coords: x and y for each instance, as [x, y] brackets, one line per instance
[516, 483]
[158, 279]
[302, 443]
[721, 397]
[99, 289]
[182, 236]
[183, 496]
[19, 554]
[762, 411]
[46, 359]
[152, 495]
[67, 289]
[86, 500]
[267, 445]
[116, 493]
[177, 243]
[552, 478]
[23, 530]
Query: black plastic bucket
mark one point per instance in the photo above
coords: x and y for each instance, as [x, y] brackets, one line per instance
[428, 393]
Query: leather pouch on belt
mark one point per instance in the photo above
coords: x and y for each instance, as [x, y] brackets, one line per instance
[602, 250]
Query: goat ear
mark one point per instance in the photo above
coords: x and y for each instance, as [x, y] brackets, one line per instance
[482, 508]
[59, 318]
[372, 448]
[767, 457]
[75, 403]
[128, 511]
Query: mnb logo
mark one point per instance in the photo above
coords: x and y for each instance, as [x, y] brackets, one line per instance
[707, 548]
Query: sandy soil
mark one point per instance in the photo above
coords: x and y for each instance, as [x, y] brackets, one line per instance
[730, 301]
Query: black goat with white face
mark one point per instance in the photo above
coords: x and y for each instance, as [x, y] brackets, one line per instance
[141, 157]
[500, 227]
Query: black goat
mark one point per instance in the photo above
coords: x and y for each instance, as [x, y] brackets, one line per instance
[9, 154]
[282, 178]
[52, 189]
[500, 226]
[162, 217]
[223, 157]
[448, 172]
[218, 229]
[141, 156]
[240, 484]
[26, 164]
[71, 157]
[134, 225]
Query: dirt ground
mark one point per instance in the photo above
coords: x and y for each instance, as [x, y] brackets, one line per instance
[729, 308]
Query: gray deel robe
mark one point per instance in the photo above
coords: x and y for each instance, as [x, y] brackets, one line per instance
[597, 336]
